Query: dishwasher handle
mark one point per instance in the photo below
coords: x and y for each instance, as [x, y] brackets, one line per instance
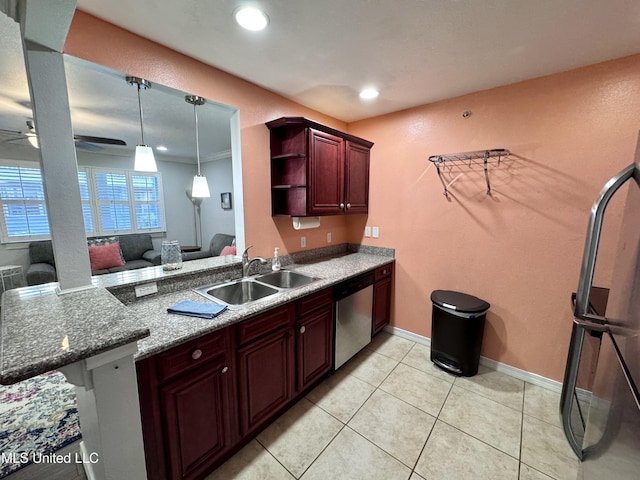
[349, 287]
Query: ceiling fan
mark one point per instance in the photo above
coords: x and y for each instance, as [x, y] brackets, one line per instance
[85, 142]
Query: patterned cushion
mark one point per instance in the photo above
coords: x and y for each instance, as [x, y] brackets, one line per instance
[105, 256]
[100, 241]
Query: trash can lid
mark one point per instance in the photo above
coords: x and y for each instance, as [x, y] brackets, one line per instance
[460, 302]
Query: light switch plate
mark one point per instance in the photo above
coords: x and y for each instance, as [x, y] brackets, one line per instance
[146, 289]
[375, 232]
[328, 237]
[303, 242]
[367, 231]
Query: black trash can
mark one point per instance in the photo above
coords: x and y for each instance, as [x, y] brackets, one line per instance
[456, 331]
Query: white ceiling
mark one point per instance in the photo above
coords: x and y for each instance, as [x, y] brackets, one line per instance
[322, 52]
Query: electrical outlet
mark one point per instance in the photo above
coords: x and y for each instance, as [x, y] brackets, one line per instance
[367, 231]
[328, 237]
[303, 242]
[146, 289]
[375, 232]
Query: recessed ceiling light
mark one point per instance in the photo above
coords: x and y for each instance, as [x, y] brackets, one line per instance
[369, 93]
[252, 19]
[161, 148]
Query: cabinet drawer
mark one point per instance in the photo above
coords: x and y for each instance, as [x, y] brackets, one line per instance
[384, 271]
[191, 354]
[314, 301]
[267, 322]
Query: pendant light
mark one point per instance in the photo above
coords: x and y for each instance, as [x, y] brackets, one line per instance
[200, 188]
[144, 159]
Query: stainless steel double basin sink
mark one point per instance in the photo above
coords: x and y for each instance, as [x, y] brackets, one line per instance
[248, 290]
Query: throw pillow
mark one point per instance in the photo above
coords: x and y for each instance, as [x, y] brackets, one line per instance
[107, 256]
[99, 241]
[228, 251]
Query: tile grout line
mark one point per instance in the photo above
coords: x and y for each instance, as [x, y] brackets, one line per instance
[524, 394]
[413, 470]
[322, 451]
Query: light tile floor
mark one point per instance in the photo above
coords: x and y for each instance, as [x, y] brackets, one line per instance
[389, 414]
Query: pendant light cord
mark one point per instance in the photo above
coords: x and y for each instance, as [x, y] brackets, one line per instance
[141, 116]
[195, 114]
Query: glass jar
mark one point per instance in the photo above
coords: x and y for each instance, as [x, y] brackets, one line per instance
[170, 255]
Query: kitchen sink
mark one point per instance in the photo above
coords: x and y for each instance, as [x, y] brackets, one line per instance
[285, 279]
[238, 292]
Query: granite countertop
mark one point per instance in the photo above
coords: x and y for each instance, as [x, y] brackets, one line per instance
[170, 330]
[41, 331]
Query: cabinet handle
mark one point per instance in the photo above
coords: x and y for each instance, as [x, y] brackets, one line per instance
[196, 354]
[225, 369]
[342, 206]
[348, 205]
[303, 329]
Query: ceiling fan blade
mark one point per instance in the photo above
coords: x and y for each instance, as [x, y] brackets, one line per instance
[4, 131]
[90, 147]
[107, 141]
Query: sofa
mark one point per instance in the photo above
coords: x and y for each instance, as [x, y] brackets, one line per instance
[216, 245]
[136, 252]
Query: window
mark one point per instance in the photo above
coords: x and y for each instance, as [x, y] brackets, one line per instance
[113, 202]
[23, 206]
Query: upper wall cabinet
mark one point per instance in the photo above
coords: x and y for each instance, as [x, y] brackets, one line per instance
[317, 170]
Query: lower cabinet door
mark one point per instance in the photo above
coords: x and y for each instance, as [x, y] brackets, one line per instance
[196, 419]
[381, 304]
[266, 378]
[315, 336]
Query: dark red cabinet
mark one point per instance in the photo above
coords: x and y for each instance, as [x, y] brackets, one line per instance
[356, 178]
[196, 411]
[266, 367]
[317, 170]
[314, 338]
[381, 298]
[188, 407]
[326, 173]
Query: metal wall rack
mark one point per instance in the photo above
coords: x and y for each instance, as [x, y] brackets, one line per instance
[468, 157]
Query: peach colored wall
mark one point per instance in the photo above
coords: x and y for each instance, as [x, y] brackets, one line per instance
[520, 248]
[103, 43]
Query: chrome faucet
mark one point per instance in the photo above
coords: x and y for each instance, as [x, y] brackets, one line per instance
[246, 263]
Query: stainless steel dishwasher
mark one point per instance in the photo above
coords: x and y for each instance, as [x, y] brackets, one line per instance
[354, 311]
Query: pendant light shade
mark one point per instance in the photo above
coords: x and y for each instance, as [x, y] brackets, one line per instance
[200, 188]
[144, 159]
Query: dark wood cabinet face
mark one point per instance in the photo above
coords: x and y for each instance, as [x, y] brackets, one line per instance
[356, 178]
[265, 369]
[314, 346]
[381, 304]
[326, 165]
[196, 419]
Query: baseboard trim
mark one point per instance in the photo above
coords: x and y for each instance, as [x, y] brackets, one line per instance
[518, 373]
